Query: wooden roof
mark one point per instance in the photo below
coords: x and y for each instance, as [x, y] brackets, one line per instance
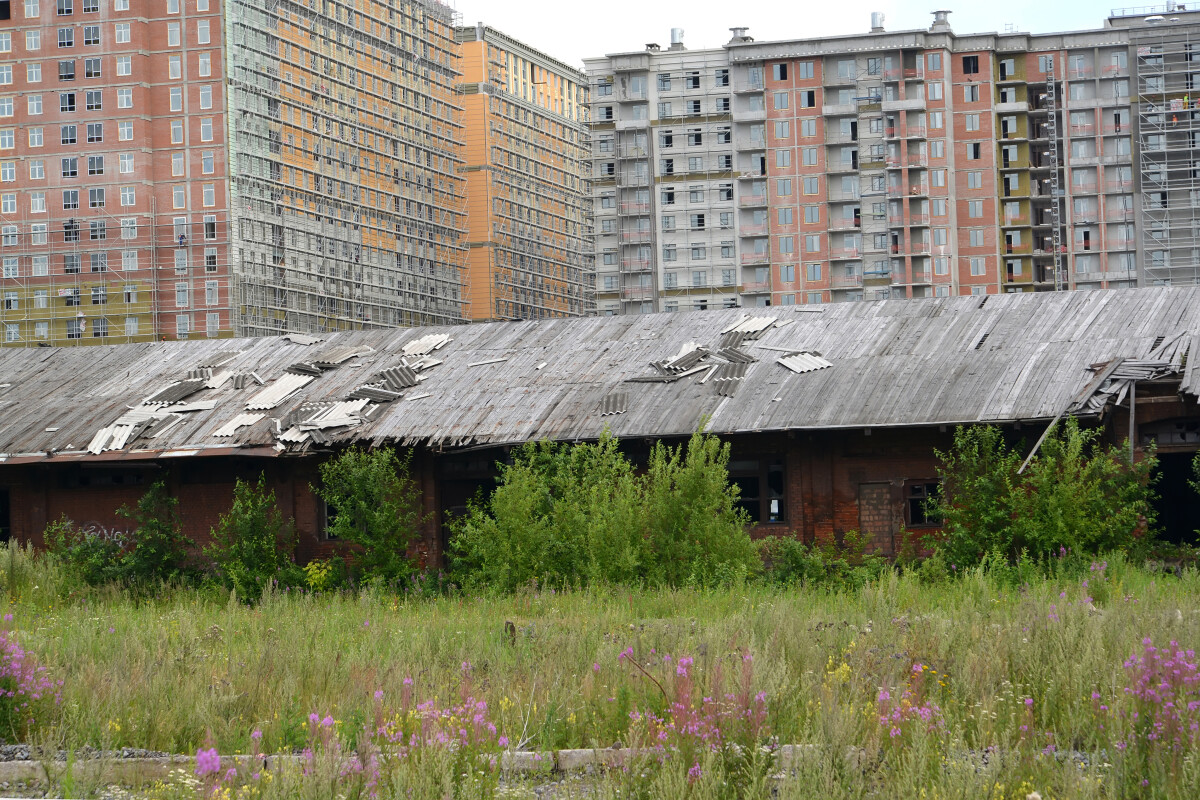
[870, 364]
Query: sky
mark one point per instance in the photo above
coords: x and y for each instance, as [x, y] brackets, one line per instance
[571, 30]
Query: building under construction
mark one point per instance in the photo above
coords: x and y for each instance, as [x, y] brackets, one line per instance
[527, 165]
[223, 167]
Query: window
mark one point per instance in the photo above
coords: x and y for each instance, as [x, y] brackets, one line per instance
[974, 180]
[812, 215]
[96, 197]
[808, 99]
[71, 267]
[6, 74]
[33, 40]
[935, 119]
[130, 293]
[204, 65]
[35, 137]
[91, 34]
[971, 95]
[970, 65]
[124, 65]
[804, 70]
[65, 8]
[176, 165]
[812, 272]
[206, 129]
[128, 196]
[812, 185]
[129, 263]
[177, 98]
[95, 132]
[33, 73]
[974, 151]
[174, 67]
[202, 35]
[70, 167]
[721, 77]
[920, 503]
[933, 61]
[173, 34]
[205, 97]
[695, 163]
[97, 229]
[699, 252]
[210, 293]
[669, 252]
[8, 171]
[808, 127]
[125, 131]
[11, 302]
[181, 295]
[783, 187]
[975, 208]
[761, 485]
[70, 199]
[37, 203]
[780, 100]
[125, 165]
[66, 37]
[125, 98]
[779, 72]
[210, 259]
[812, 243]
[95, 165]
[976, 237]
[122, 32]
[209, 195]
[131, 326]
[783, 158]
[696, 222]
[129, 231]
[972, 122]
[178, 197]
[66, 102]
[935, 90]
[176, 131]
[94, 100]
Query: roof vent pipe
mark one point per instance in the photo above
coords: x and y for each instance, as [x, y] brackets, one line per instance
[677, 39]
[876, 22]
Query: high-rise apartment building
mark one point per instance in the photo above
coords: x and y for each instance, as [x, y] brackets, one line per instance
[912, 164]
[207, 167]
[527, 167]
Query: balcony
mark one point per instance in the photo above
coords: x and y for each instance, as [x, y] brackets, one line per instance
[632, 124]
[1083, 130]
[1015, 220]
[1079, 73]
[1014, 107]
[635, 208]
[1118, 186]
[1114, 129]
[756, 287]
[918, 248]
[845, 224]
[1115, 71]
[914, 132]
[845, 281]
[752, 200]
[1122, 242]
[637, 293]
[907, 104]
[753, 230]
[921, 276]
[749, 259]
[632, 179]
[744, 86]
[635, 264]
[633, 152]
[844, 254]
[1083, 187]
[635, 237]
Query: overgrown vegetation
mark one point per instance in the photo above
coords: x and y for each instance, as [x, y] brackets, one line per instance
[374, 504]
[1076, 495]
[154, 552]
[252, 545]
[567, 515]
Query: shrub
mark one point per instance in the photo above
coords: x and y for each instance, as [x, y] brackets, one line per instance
[1076, 495]
[252, 545]
[789, 561]
[156, 551]
[577, 514]
[374, 504]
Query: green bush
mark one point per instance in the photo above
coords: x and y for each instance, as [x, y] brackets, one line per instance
[577, 514]
[156, 551]
[1076, 495]
[788, 562]
[252, 545]
[374, 504]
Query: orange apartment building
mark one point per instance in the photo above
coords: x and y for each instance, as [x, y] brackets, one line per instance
[176, 168]
[527, 167]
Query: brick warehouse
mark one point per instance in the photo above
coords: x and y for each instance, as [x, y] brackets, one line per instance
[833, 414]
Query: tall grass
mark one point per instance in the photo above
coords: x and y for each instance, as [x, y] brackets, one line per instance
[972, 686]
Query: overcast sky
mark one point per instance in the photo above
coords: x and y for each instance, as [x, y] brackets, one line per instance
[571, 30]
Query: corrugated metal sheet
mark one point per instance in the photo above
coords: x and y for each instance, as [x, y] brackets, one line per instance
[240, 421]
[804, 362]
[615, 403]
[895, 363]
[177, 391]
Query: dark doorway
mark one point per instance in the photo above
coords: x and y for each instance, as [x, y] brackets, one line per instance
[1178, 504]
[5, 516]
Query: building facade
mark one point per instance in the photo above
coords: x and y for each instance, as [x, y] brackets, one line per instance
[183, 168]
[913, 164]
[527, 168]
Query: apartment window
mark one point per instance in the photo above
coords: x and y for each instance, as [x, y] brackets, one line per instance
[206, 129]
[721, 77]
[183, 326]
[71, 267]
[122, 32]
[177, 98]
[176, 131]
[125, 163]
[33, 40]
[202, 34]
[124, 65]
[33, 73]
[173, 34]
[783, 187]
[174, 67]
[976, 237]
[724, 136]
[972, 122]
[129, 263]
[812, 185]
[974, 180]
[181, 295]
[96, 197]
[970, 65]
[669, 252]
[131, 326]
[125, 131]
[97, 229]
[8, 171]
[130, 293]
[210, 259]
[75, 327]
[205, 97]
[128, 196]
[725, 219]
[808, 98]
[975, 208]
[812, 215]
[693, 107]
[209, 195]
[211, 294]
[125, 98]
[70, 167]
[971, 95]
[695, 163]
[727, 249]
[95, 132]
[779, 72]
[99, 296]
[699, 278]
[35, 137]
[783, 158]
[780, 100]
[1045, 63]
[95, 165]
[696, 222]
[937, 177]
[178, 197]
[94, 100]
[699, 252]
[8, 203]
[808, 127]
[977, 266]
[66, 37]
[91, 34]
[784, 215]
[37, 202]
[129, 231]
[936, 119]
[812, 243]
[66, 8]
[66, 102]
[691, 80]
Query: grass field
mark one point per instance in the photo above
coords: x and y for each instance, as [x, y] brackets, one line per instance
[971, 687]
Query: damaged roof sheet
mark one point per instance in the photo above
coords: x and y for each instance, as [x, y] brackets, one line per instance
[892, 363]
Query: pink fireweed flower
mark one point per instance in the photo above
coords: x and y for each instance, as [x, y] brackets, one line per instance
[208, 762]
[379, 694]
[256, 736]
[327, 722]
[314, 718]
[595, 667]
